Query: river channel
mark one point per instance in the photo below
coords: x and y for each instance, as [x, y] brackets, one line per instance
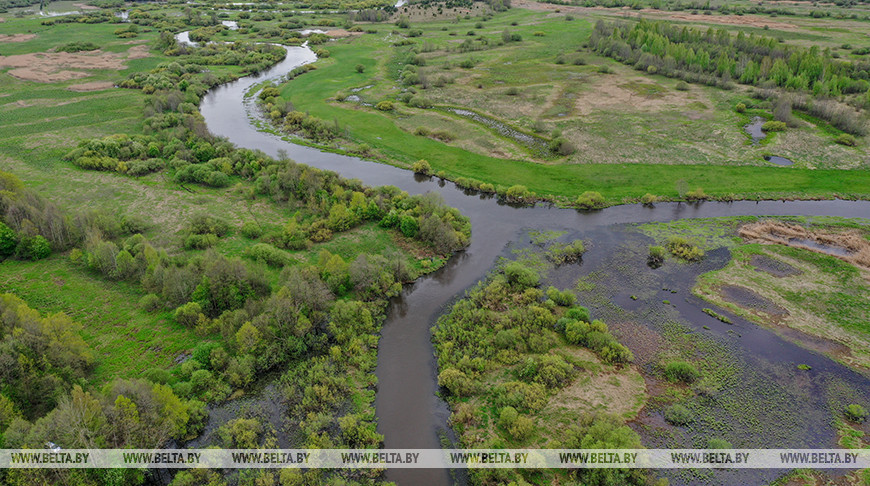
[410, 414]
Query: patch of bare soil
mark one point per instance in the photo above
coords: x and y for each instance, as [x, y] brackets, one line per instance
[16, 37]
[772, 266]
[848, 245]
[340, 33]
[749, 300]
[92, 86]
[138, 52]
[619, 393]
[742, 20]
[49, 67]
[604, 94]
[83, 6]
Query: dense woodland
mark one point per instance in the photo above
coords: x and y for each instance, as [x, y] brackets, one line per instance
[839, 89]
[316, 324]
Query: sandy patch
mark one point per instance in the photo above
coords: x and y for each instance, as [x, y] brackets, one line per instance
[49, 67]
[92, 86]
[83, 6]
[16, 37]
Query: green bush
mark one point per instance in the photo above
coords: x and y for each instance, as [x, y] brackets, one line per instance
[846, 139]
[679, 415]
[519, 193]
[385, 105]
[856, 413]
[563, 298]
[566, 253]
[521, 275]
[8, 240]
[251, 230]
[456, 382]
[719, 444]
[422, 167]
[150, 302]
[649, 199]
[681, 371]
[188, 314]
[33, 248]
[268, 254]
[773, 126]
[696, 195]
[740, 108]
[656, 256]
[590, 200]
[684, 249]
[360, 68]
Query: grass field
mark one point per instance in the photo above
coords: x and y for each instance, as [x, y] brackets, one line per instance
[634, 133]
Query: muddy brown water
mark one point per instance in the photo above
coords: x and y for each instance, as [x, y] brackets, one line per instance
[410, 414]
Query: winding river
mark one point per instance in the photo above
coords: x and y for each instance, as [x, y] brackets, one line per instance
[410, 414]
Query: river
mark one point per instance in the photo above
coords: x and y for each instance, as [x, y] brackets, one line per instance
[410, 415]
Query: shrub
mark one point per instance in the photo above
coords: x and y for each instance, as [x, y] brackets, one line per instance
[696, 195]
[385, 105]
[519, 193]
[268, 254]
[740, 108]
[251, 230]
[773, 126]
[521, 275]
[679, 415]
[8, 240]
[682, 86]
[590, 200]
[718, 444]
[200, 242]
[682, 248]
[188, 314]
[563, 298]
[570, 253]
[456, 382]
[846, 139]
[33, 248]
[856, 413]
[649, 199]
[419, 102]
[681, 371]
[150, 302]
[360, 68]
[422, 167]
[512, 91]
[562, 146]
[204, 224]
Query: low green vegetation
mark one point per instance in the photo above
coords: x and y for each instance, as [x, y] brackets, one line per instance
[518, 363]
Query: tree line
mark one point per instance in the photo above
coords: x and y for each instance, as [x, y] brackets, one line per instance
[716, 57]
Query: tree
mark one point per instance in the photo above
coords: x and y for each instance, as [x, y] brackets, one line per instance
[8, 240]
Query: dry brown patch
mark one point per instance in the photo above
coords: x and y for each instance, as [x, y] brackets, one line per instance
[743, 20]
[604, 94]
[92, 86]
[138, 52]
[616, 392]
[16, 37]
[49, 67]
[786, 234]
[83, 6]
[338, 33]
